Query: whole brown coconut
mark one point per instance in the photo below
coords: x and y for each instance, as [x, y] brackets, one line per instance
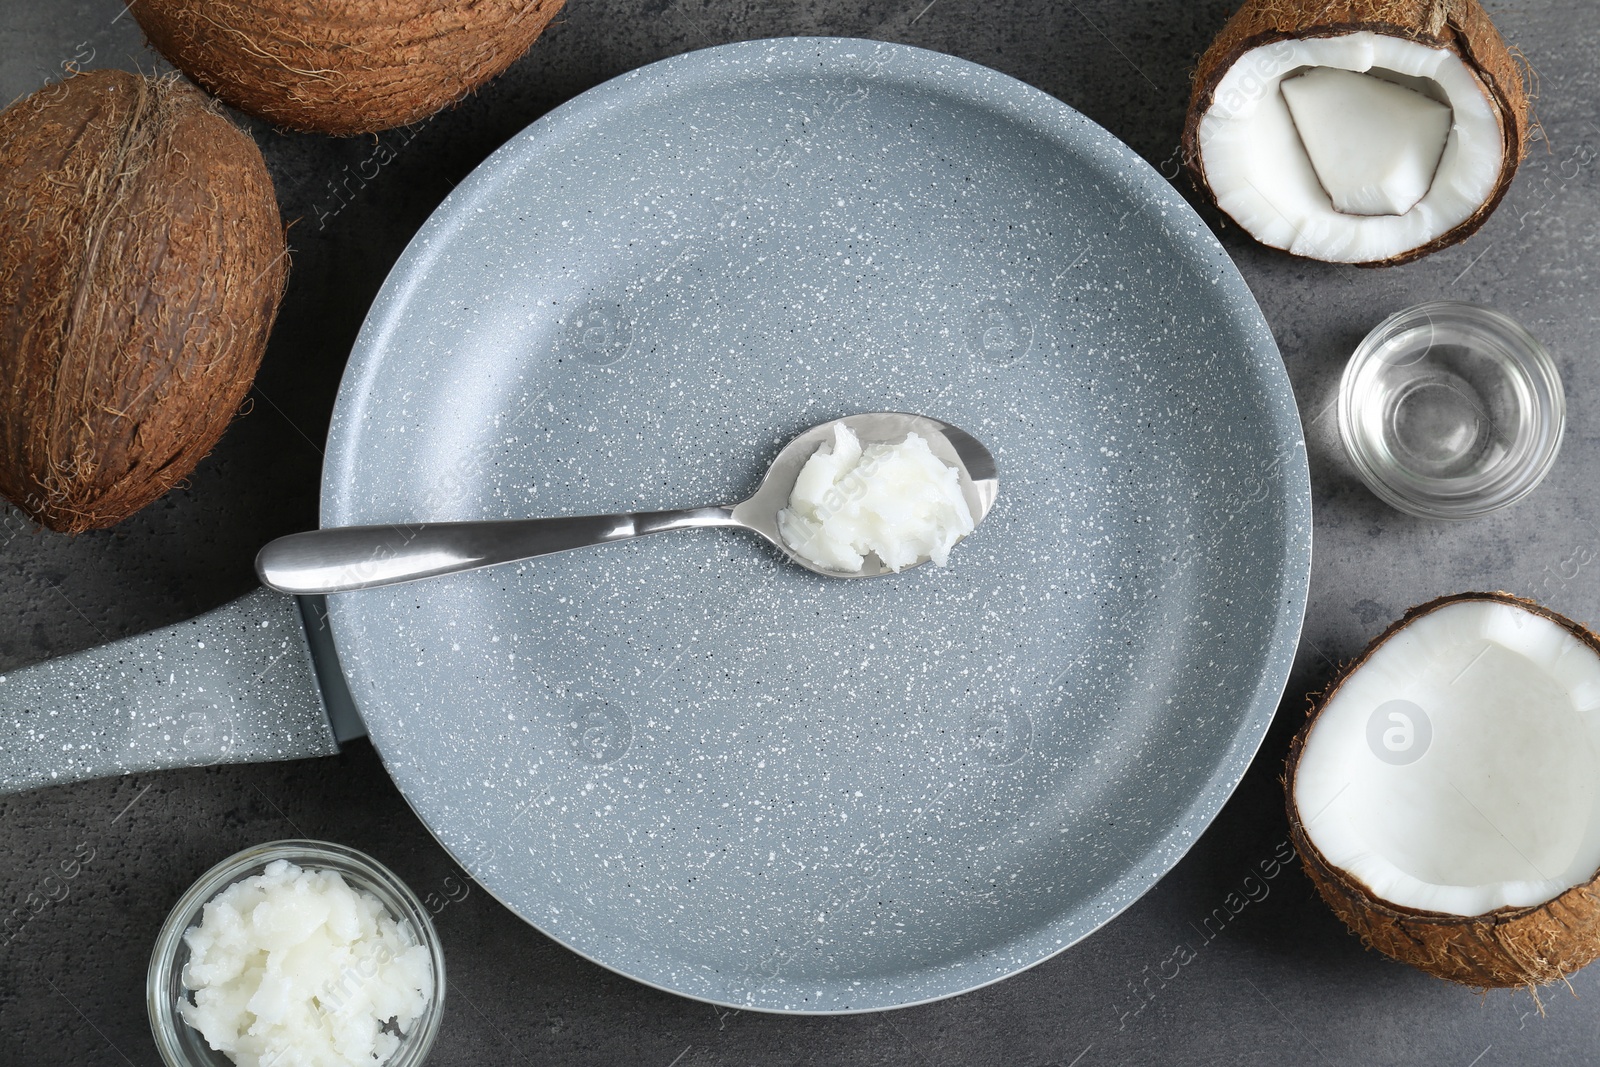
[1502, 948]
[351, 67]
[141, 265]
[1460, 27]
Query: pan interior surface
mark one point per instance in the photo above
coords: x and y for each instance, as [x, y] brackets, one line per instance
[702, 766]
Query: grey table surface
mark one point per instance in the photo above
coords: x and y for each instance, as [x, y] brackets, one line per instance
[1281, 981]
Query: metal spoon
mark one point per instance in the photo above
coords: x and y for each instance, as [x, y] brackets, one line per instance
[363, 557]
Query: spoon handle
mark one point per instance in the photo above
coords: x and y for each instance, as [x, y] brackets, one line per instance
[342, 558]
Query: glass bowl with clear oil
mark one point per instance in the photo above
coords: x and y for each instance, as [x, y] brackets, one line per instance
[1450, 410]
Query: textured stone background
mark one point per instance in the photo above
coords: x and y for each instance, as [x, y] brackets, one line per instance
[1283, 982]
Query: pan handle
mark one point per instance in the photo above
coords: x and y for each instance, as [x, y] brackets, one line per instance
[235, 685]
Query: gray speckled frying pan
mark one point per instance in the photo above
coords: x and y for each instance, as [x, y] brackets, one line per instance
[695, 763]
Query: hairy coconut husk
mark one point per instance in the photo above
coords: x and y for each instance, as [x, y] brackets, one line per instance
[354, 67]
[1461, 26]
[1504, 948]
[141, 265]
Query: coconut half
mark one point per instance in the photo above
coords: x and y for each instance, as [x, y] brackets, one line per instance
[1362, 131]
[1444, 795]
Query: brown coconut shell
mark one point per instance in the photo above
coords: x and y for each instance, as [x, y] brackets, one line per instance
[349, 67]
[1460, 26]
[141, 265]
[1504, 948]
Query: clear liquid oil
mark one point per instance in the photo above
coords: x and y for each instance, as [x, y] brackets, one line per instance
[1449, 410]
[1438, 407]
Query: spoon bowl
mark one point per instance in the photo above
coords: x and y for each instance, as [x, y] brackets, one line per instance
[345, 558]
[953, 446]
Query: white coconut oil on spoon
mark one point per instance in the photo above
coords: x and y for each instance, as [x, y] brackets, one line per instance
[913, 509]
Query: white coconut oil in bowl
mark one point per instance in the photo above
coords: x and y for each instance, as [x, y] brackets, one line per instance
[182, 1045]
[1450, 411]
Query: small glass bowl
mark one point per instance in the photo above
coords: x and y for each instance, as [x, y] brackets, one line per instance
[183, 1046]
[1450, 411]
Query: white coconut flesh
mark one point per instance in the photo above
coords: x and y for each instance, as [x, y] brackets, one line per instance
[1456, 770]
[1374, 145]
[1354, 148]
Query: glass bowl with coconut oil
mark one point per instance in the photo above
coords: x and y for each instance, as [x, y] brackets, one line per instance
[1450, 410]
[181, 1045]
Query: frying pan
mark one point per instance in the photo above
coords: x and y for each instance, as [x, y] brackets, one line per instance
[684, 758]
